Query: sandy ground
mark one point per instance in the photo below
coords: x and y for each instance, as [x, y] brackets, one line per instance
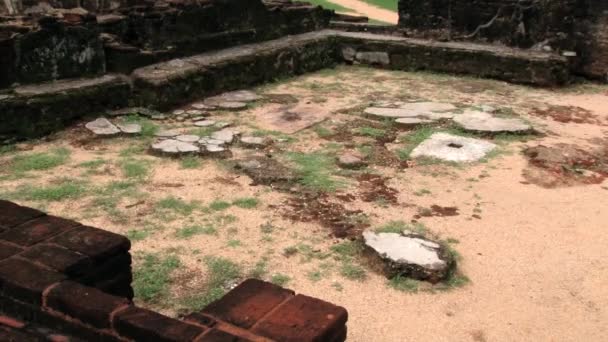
[536, 257]
[370, 11]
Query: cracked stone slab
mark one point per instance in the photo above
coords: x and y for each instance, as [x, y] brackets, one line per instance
[292, 118]
[167, 133]
[189, 138]
[410, 255]
[410, 122]
[430, 110]
[204, 123]
[453, 148]
[225, 135]
[102, 126]
[175, 147]
[476, 121]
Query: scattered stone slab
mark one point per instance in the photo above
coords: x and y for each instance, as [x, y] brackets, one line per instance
[476, 121]
[225, 135]
[412, 110]
[453, 148]
[411, 122]
[195, 112]
[411, 255]
[222, 124]
[102, 127]
[204, 123]
[202, 106]
[129, 128]
[240, 96]
[349, 160]
[167, 133]
[174, 147]
[267, 171]
[189, 138]
[208, 140]
[179, 112]
[232, 105]
[253, 142]
[217, 151]
[292, 118]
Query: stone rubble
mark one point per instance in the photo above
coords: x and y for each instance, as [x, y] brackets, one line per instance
[411, 255]
[130, 128]
[102, 127]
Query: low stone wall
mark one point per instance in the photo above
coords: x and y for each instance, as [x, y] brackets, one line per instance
[60, 280]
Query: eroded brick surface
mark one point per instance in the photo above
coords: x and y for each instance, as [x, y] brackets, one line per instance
[8, 250]
[146, 325]
[303, 318]
[248, 302]
[25, 281]
[12, 214]
[37, 230]
[93, 242]
[216, 335]
[87, 304]
[59, 258]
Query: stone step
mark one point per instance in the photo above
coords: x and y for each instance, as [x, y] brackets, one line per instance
[38, 109]
[180, 80]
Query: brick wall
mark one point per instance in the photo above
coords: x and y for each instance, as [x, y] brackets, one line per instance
[62, 281]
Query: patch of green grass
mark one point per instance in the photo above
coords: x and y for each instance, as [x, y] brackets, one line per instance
[280, 279]
[309, 253]
[132, 168]
[370, 132]
[246, 202]
[177, 205]
[404, 284]
[40, 161]
[260, 269]
[133, 150]
[352, 271]
[422, 192]
[233, 243]
[138, 235]
[413, 139]
[51, 193]
[314, 276]
[347, 249]
[151, 278]
[148, 128]
[329, 5]
[6, 149]
[190, 162]
[219, 205]
[337, 286]
[316, 171]
[92, 164]
[400, 226]
[190, 231]
[221, 273]
[323, 132]
[267, 228]
[387, 4]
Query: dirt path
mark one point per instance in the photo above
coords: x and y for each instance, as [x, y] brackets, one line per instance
[372, 12]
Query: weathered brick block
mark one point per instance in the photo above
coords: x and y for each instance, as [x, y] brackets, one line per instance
[86, 304]
[145, 325]
[216, 335]
[59, 258]
[12, 215]
[93, 242]
[13, 335]
[202, 319]
[304, 319]
[38, 230]
[248, 302]
[7, 250]
[25, 281]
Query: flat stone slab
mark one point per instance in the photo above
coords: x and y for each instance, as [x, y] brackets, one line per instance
[129, 128]
[234, 105]
[453, 148]
[103, 127]
[410, 122]
[410, 255]
[476, 121]
[290, 119]
[225, 135]
[204, 123]
[350, 160]
[167, 133]
[175, 147]
[267, 171]
[190, 138]
[412, 110]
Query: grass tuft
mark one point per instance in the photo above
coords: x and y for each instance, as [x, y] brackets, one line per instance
[40, 161]
[151, 279]
[316, 171]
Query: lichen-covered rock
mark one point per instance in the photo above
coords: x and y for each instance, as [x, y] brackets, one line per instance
[411, 255]
[102, 127]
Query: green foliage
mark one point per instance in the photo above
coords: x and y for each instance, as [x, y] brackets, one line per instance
[400, 226]
[190, 162]
[316, 171]
[246, 202]
[218, 205]
[190, 231]
[352, 271]
[40, 161]
[132, 168]
[404, 284]
[260, 269]
[151, 278]
[347, 249]
[51, 193]
[234, 243]
[280, 279]
[92, 164]
[177, 205]
[371, 132]
[413, 139]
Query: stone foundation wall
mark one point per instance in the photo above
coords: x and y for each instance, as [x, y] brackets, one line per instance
[62, 281]
[551, 25]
